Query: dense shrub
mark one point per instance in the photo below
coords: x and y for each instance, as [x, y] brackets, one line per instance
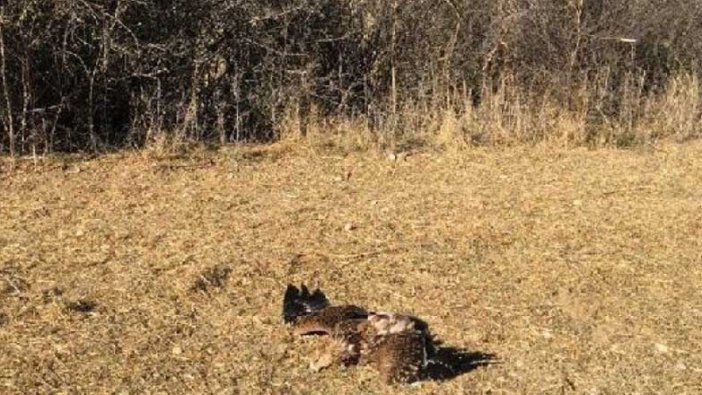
[93, 74]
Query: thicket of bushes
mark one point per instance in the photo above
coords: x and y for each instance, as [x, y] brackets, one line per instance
[93, 74]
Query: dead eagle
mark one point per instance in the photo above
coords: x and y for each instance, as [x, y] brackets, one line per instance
[399, 346]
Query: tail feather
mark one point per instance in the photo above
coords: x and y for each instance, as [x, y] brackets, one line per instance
[299, 302]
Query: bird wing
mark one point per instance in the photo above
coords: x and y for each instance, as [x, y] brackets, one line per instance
[299, 302]
[333, 320]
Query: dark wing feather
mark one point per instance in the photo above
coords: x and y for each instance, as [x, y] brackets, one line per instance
[299, 302]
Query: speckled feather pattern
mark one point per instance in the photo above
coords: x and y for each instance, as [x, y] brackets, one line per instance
[399, 357]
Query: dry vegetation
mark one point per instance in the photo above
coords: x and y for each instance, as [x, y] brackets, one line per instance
[94, 75]
[132, 273]
[162, 271]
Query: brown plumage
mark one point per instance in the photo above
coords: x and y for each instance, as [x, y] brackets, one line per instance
[399, 357]
[398, 347]
[311, 313]
[332, 320]
[395, 344]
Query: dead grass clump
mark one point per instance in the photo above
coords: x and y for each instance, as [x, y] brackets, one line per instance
[49, 295]
[15, 285]
[216, 276]
[339, 135]
[251, 155]
[172, 145]
[82, 306]
[676, 112]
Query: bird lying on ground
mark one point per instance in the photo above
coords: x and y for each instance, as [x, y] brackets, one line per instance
[399, 346]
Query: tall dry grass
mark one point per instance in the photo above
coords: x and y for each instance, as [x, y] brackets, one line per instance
[508, 114]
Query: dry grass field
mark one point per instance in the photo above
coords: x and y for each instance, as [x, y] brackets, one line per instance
[579, 270]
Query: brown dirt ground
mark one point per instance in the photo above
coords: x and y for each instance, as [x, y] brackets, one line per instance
[580, 270]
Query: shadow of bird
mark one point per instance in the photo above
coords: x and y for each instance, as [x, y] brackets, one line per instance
[451, 362]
